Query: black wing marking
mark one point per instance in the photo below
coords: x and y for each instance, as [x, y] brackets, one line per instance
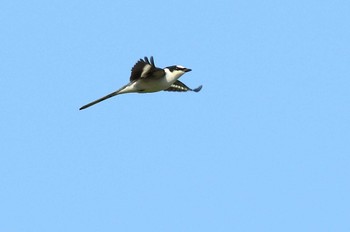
[145, 68]
[150, 63]
[178, 86]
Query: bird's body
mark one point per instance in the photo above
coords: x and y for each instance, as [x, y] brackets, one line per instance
[147, 78]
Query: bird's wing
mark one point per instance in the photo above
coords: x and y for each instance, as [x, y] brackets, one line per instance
[178, 86]
[145, 68]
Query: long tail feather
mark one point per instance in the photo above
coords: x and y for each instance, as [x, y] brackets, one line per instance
[99, 100]
[119, 91]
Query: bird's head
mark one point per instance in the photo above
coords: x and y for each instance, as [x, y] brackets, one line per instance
[177, 70]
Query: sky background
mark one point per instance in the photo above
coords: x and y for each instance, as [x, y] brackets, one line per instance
[265, 146]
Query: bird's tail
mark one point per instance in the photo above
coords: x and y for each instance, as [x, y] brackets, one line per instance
[99, 100]
[119, 91]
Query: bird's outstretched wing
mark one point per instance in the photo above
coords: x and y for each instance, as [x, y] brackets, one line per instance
[145, 68]
[178, 86]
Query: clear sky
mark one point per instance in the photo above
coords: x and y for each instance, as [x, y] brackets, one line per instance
[265, 146]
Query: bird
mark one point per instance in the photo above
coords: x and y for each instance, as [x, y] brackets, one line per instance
[147, 78]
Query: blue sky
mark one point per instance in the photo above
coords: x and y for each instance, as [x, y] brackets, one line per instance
[263, 147]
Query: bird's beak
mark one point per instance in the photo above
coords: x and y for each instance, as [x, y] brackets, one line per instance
[188, 70]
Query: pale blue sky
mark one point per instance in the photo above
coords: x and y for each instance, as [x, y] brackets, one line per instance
[263, 147]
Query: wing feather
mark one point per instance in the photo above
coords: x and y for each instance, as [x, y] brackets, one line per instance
[145, 68]
[178, 86]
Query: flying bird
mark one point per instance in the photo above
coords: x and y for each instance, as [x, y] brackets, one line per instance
[147, 78]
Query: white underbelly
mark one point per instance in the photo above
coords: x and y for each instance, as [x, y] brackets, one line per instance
[148, 86]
